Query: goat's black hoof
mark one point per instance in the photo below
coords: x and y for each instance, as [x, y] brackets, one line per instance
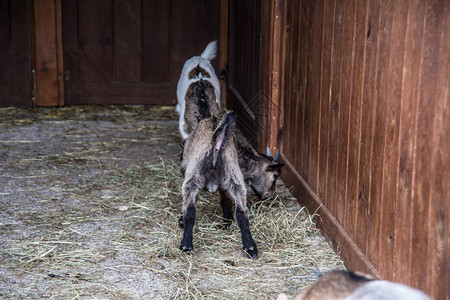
[185, 248]
[251, 252]
[180, 222]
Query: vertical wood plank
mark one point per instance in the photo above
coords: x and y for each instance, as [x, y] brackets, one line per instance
[186, 40]
[266, 62]
[313, 90]
[275, 103]
[300, 146]
[289, 57]
[296, 119]
[249, 67]
[392, 115]
[379, 136]
[270, 102]
[127, 40]
[327, 42]
[155, 43]
[289, 90]
[70, 42]
[355, 118]
[438, 217]
[15, 53]
[307, 10]
[344, 110]
[95, 40]
[223, 47]
[410, 86]
[278, 107]
[5, 40]
[368, 124]
[48, 53]
[427, 108]
[336, 59]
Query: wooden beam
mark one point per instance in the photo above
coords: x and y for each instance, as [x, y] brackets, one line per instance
[48, 53]
[223, 48]
[272, 73]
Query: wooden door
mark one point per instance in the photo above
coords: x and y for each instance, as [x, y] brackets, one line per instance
[244, 64]
[15, 53]
[132, 51]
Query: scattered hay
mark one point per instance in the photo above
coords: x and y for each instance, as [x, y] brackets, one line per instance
[90, 209]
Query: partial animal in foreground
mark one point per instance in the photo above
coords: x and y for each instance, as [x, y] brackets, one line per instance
[210, 161]
[197, 77]
[347, 285]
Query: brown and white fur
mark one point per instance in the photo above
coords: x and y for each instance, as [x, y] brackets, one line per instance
[347, 285]
[210, 161]
[195, 69]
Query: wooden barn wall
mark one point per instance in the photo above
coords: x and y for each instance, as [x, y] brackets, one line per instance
[15, 53]
[243, 64]
[359, 95]
[132, 51]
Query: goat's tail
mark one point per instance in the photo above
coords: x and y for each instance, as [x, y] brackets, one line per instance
[210, 51]
[220, 134]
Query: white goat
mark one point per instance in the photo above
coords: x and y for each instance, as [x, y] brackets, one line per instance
[197, 68]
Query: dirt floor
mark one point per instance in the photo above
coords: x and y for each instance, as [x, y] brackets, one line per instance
[89, 204]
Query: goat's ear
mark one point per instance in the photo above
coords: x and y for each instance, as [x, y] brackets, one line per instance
[274, 167]
[268, 152]
[276, 158]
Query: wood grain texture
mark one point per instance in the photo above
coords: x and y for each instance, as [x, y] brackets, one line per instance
[313, 89]
[363, 221]
[410, 85]
[360, 33]
[365, 132]
[327, 42]
[425, 118]
[392, 124]
[375, 207]
[335, 94]
[48, 53]
[332, 230]
[438, 264]
[345, 109]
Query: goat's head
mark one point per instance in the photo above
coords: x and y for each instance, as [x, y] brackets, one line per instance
[265, 176]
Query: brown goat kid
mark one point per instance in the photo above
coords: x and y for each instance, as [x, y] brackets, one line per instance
[260, 170]
[210, 161]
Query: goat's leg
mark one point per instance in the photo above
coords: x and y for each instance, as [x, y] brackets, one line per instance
[238, 193]
[227, 208]
[248, 243]
[190, 192]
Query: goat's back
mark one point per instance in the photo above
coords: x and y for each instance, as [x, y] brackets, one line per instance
[344, 285]
[200, 104]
